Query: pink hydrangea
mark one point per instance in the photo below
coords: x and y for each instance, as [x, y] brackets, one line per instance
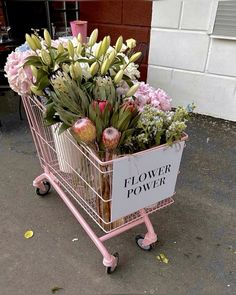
[20, 79]
[148, 95]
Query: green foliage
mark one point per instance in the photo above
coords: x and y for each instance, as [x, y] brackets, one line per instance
[92, 80]
[155, 127]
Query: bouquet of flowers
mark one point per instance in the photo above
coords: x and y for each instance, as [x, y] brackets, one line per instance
[92, 89]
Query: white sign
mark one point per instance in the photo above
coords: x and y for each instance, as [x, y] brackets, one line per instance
[144, 179]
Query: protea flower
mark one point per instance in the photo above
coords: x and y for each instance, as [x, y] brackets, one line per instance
[101, 104]
[129, 105]
[111, 138]
[84, 130]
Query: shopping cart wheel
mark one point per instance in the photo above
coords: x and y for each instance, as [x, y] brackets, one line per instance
[139, 241]
[47, 187]
[109, 269]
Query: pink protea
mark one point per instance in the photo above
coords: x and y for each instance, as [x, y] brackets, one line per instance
[20, 79]
[101, 104]
[129, 105]
[111, 138]
[84, 130]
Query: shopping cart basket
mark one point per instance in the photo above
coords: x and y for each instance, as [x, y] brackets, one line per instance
[81, 178]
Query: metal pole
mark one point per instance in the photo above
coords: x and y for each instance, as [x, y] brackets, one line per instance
[48, 17]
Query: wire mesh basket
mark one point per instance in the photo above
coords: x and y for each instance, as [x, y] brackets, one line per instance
[78, 170]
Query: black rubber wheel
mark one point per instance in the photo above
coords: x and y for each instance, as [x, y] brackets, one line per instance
[139, 240]
[109, 269]
[47, 187]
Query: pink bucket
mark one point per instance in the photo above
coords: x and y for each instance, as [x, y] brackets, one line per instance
[79, 26]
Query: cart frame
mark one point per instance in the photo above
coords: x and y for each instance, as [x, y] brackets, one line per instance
[110, 261]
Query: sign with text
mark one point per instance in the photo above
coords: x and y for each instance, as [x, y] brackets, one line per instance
[144, 179]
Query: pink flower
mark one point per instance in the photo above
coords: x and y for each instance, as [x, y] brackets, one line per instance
[101, 104]
[164, 100]
[110, 138]
[148, 95]
[129, 105]
[20, 79]
[84, 130]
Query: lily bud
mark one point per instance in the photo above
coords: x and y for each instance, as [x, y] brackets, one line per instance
[93, 38]
[66, 68]
[98, 51]
[105, 66]
[132, 90]
[34, 71]
[78, 49]
[119, 44]
[105, 44]
[60, 48]
[94, 68]
[80, 38]
[108, 41]
[35, 90]
[135, 56]
[131, 43]
[73, 72]
[78, 69]
[36, 41]
[112, 56]
[30, 42]
[118, 76]
[46, 58]
[47, 38]
[70, 48]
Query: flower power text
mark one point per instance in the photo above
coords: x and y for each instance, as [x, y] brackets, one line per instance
[146, 181]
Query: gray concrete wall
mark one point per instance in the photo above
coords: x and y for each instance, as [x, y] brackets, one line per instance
[188, 62]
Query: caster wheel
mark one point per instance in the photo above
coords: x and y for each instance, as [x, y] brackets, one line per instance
[139, 241]
[109, 269]
[47, 187]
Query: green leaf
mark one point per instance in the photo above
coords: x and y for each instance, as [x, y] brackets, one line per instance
[124, 117]
[124, 135]
[92, 113]
[99, 128]
[66, 116]
[107, 115]
[134, 122]
[41, 74]
[43, 83]
[89, 61]
[121, 58]
[128, 80]
[125, 124]
[63, 128]
[53, 53]
[52, 121]
[34, 61]
[114, 119]
[66, 101]
[50, 111]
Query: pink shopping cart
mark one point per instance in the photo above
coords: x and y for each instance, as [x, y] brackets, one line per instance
[83, 181]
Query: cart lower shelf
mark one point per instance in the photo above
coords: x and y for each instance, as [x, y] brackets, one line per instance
[110, 261]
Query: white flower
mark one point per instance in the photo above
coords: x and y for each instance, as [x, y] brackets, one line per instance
[132, 71]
